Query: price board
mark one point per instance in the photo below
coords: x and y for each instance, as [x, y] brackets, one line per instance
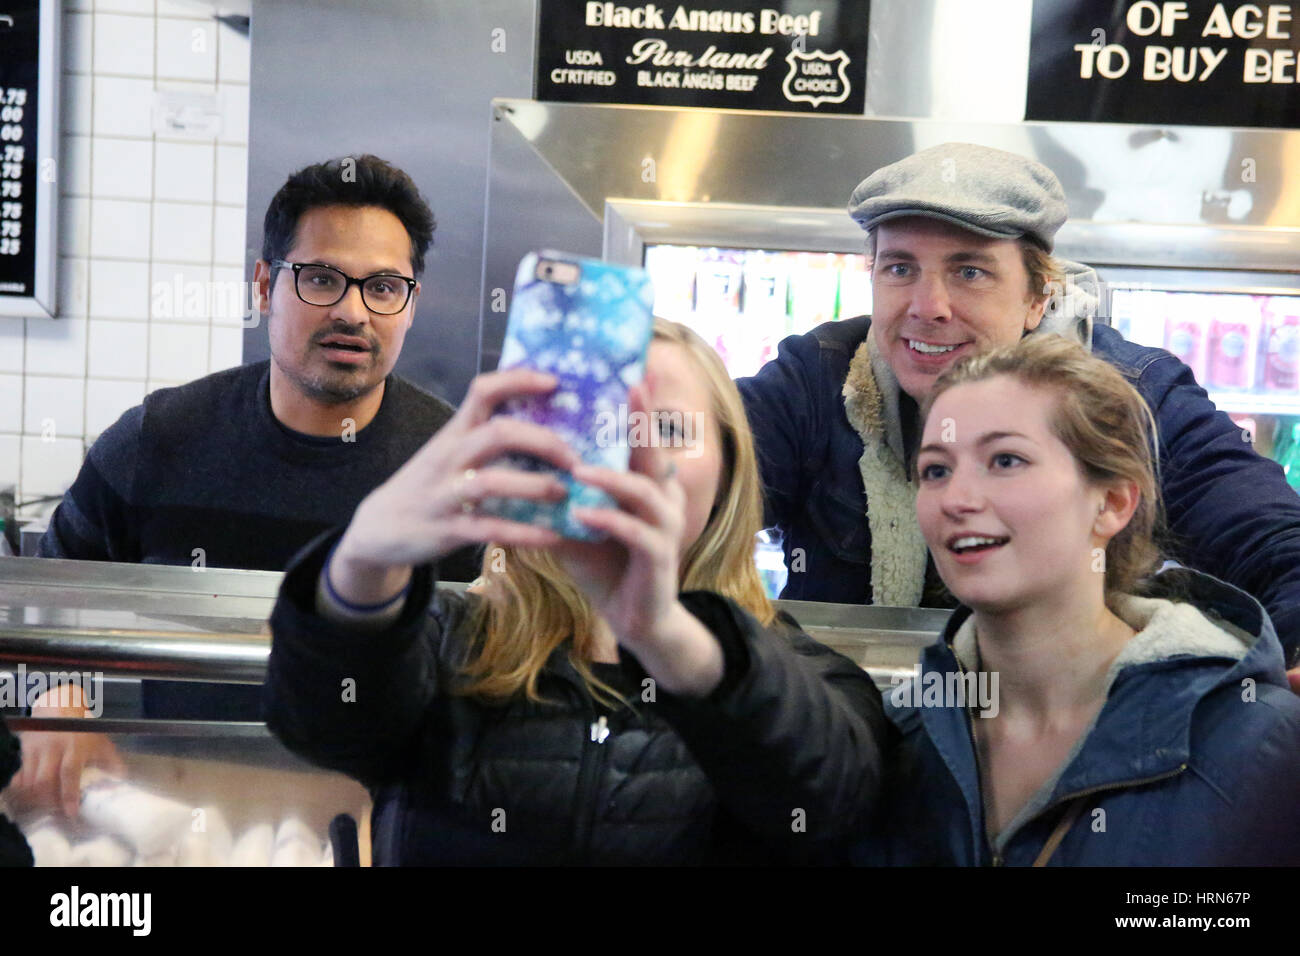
[29, 96]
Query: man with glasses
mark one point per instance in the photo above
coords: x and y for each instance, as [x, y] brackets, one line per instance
[242, 468]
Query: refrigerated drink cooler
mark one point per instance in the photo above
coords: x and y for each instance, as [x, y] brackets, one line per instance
[744, 230]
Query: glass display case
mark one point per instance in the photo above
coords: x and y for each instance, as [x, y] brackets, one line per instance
[1241, 339]
[743, 302]
[194, 792]
[227, 792]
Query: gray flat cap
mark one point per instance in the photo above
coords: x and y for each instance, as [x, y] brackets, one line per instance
[988, 191]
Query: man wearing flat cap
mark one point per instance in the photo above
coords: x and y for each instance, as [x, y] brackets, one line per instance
[960, 237]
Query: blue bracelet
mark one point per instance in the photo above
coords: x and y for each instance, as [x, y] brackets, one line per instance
[357, 608]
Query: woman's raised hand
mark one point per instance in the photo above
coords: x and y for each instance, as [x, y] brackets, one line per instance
[426, 509]
[633, 578]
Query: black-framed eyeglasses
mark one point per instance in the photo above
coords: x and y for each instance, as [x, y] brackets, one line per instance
[384, 293]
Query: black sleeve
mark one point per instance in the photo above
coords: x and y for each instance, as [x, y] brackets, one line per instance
[1230, 510]
[14, 850]
[345, 699]
[95, 521]
[793, 737]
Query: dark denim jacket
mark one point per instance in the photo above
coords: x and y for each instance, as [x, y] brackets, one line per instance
[1193, 761]
[1230, 511]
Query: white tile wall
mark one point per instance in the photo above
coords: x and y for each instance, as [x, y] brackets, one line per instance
[229, 246]
[56, 347]
[124, 45]
[11, 332]
[123, 106]
[119, 350]
[119, 290]
[183, 172]
[124, 6]
[187, 49]
[47, 467]
[51, 407]
[119, 229]
[11, 403]
[181, 292]
[136, 210]
[74, 226]
[182, 231]
[10, 459]
[122, 168]
[232, 174]
[227, 347]
[74, 287]
[231, 296]
[107, 399]
[177, 352]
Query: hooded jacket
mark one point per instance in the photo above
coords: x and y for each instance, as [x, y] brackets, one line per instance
[1193, 759]
[780, 763]
[835, 434]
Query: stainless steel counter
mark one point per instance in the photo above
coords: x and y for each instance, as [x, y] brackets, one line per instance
[125, 622]
[146, 621]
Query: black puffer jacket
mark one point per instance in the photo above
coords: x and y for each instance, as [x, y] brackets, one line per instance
[780, 763]
[14, 850]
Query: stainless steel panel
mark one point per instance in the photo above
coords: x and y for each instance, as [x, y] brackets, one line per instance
[138, 653]
[528, 208]
[144, 621]
[1112, 174]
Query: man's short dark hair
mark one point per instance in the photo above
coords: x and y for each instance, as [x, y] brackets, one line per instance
[347, 181]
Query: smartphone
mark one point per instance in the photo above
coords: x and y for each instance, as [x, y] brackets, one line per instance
[588, 323]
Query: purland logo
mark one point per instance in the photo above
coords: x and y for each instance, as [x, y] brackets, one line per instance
[936, 689]
[650, 430]
[102, 909]
[22, 688]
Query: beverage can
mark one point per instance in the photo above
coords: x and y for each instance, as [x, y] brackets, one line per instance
[1185, 331]
[1282, 348]
[1234, 341]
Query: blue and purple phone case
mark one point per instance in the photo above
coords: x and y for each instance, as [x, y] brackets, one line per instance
[592, 334]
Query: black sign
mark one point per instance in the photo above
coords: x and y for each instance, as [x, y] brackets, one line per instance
[1191, 62]
[806, 56]
[19, 59]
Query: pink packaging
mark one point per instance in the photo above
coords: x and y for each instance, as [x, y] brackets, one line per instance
[1282, 345]
[1186, 334]
[1234, 343]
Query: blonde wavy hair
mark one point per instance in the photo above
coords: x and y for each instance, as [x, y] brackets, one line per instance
[1100, 417]
[531, 606]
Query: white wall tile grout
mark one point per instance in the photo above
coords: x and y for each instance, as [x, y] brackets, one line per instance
[107, 349]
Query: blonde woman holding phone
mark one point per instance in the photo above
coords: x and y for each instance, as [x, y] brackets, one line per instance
[635, 701]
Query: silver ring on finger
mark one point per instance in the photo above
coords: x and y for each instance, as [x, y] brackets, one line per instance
[467, 504]
[670, 472]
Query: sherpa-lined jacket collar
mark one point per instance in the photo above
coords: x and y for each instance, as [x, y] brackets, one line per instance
[1197, 633]
[872, 397]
